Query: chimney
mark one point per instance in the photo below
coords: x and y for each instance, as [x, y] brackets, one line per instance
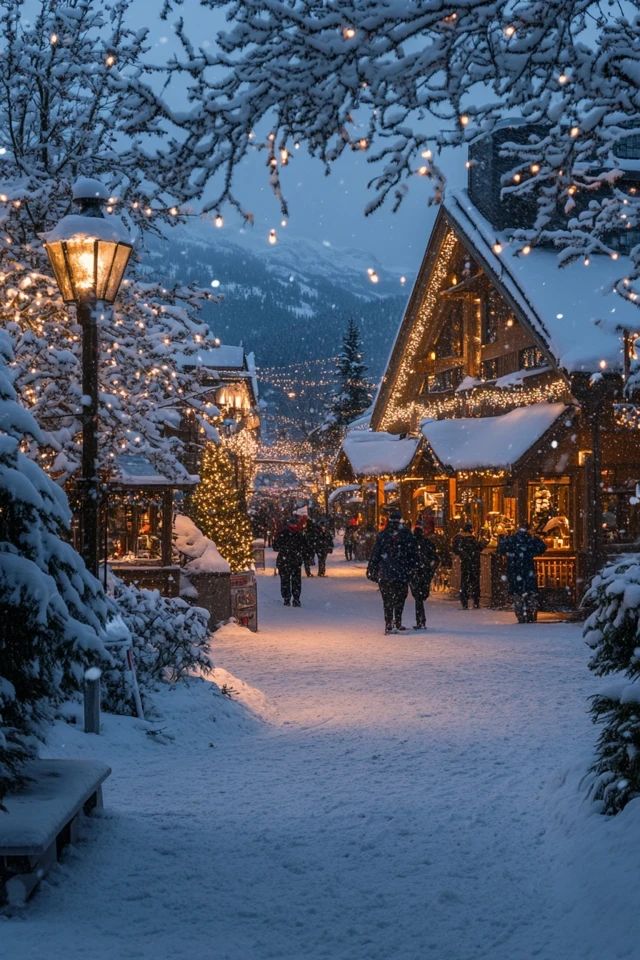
[486, 169]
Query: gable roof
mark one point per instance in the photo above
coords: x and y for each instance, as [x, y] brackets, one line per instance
[571, 312]
[573, 309]
[472, 443]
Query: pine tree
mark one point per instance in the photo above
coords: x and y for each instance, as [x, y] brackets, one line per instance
[612, 632]
[215, 508]
[353, 396]
[52, 611]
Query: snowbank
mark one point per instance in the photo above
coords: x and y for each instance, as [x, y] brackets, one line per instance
[203, 553]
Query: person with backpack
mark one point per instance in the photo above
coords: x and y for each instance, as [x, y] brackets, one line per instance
[289, 543]
[427, 561]
[520, 549]
[391, 565]
[468, 548]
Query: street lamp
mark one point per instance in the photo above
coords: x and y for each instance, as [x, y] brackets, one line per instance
[89, 253]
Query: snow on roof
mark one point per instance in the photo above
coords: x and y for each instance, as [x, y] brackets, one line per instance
[224, 357]
[80, 226]
[470, 443]
[371, 454]
[574, 308]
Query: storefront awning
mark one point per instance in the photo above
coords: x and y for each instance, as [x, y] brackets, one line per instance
[475, 443]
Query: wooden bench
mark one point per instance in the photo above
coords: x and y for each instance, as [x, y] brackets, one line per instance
[42, 818]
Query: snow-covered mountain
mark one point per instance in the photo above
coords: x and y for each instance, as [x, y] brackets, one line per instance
[289, 301]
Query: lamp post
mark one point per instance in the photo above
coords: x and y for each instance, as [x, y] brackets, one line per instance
[89, 253]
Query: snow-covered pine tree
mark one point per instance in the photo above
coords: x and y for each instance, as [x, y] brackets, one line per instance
[613, 631]
[402, 81]
[52, 611]
[352, 396]
[76, 98]
[216, 509]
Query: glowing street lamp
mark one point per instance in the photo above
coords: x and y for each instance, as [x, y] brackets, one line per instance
[89, 254]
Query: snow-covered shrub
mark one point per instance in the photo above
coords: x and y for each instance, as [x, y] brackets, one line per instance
[52, 611]
[169, 637]
[613, 632]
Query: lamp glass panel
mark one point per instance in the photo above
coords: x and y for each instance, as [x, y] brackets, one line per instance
[56, 256]
[106, 253]
[81, 256]
[120, 260]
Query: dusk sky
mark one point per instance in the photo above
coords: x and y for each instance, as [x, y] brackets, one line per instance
[323, 208]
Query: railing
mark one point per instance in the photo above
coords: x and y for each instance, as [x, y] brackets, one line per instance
[557, 575]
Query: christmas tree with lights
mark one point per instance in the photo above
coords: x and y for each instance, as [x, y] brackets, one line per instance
[216, 509]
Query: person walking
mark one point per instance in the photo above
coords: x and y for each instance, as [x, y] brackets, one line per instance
[520, 549]
[324, 545]
[391, 565]
[468, 548]
[289, 543]
[309, 534]
[427, 561]
[349, 537]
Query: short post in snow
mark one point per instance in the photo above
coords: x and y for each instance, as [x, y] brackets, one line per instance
[92, 700]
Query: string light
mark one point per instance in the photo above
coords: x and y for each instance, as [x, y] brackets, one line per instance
[273, 237]
[218, 221]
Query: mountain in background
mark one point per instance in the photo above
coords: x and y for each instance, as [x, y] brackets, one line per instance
[289, 302]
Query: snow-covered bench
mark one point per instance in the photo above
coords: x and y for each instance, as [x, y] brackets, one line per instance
[43, 817]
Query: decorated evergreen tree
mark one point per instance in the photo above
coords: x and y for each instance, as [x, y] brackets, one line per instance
[52, 611]
[75, 99]
[216, 509]
[612, 632]
[352, 396]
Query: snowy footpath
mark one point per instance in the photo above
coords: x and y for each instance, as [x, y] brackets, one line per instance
[353, 797]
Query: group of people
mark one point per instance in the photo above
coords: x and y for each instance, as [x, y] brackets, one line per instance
[298, 544]
[403, 561]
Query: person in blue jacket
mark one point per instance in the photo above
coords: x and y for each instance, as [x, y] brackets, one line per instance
[391, 565]
[520, 549]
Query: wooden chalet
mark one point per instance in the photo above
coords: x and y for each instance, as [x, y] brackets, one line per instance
[507, 377]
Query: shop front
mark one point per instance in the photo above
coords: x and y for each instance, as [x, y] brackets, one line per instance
[495, 483]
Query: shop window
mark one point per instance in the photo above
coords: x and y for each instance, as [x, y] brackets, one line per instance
[495, 317]
[549, 507]
[445, 380]
[134, 533]
[531, 358]
[489, 369]
[450, 340]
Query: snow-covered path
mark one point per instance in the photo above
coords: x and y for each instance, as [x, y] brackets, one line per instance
[395, 806]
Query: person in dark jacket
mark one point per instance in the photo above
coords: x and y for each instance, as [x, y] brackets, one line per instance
[426, 564]
[323, 545]
[468, 548]
[349, 537]
[391, 565]
[309, 532]
[520, 549]
[289, 543]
